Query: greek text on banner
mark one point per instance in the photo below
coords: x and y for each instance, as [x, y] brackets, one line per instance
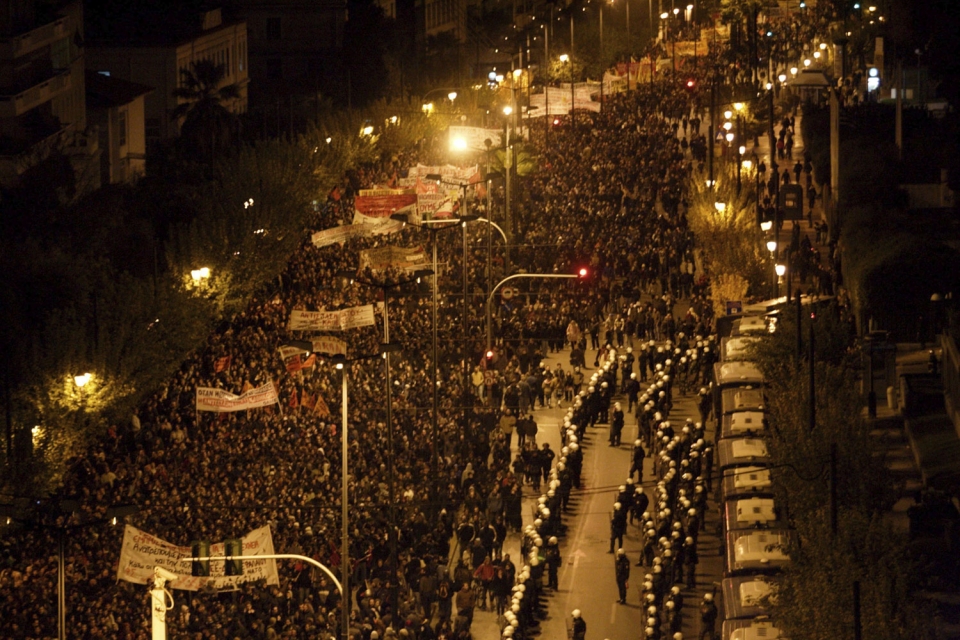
[141, 552]
[343, 319]
[220, 401]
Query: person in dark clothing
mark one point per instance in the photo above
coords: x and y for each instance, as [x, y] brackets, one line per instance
[622, 570]
[579, 626]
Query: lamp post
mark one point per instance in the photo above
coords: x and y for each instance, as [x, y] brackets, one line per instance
[343, 365]
[581, 274]
[391, 471]
[780, 270]
[435, 417]
[772, 248]
[63, 509]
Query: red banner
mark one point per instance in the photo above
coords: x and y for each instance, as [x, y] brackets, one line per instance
[221, 364]
[382, 203]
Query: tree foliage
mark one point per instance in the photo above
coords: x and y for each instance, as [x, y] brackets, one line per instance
[816, 598]
[728, 236]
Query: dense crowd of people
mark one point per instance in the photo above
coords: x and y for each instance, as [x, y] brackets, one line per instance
[609, 195]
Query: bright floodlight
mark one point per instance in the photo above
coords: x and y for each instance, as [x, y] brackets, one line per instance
[81, 381]
[458, 143]
[199, 274]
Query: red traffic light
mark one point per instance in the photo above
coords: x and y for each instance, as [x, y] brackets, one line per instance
[583, 272]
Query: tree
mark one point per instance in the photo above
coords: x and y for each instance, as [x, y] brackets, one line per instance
[208, 128]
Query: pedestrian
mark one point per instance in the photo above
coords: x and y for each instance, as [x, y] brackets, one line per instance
[622, 571]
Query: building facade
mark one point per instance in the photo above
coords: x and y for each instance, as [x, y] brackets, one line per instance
[160, 63]
[42, 105]
[115, 108]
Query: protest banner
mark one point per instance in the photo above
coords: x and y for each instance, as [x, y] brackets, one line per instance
[301, 320]
[329, 346]
[356, 317]
[221, 401]
[338, 235]
[392, 258]
[382, 203]
[140, 552]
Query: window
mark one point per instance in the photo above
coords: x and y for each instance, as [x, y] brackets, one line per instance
[122, 128]
[60, 53]
[273, 28]
[275, 69]
[152, 128]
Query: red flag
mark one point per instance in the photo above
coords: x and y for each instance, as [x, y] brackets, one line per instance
[293, 364]
[335, 194]
[308, 401]
[321, 407]
[246, 387]
[309, 362]
[293, 404]
[221, 364]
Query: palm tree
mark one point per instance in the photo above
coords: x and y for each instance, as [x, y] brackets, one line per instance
[208, 126]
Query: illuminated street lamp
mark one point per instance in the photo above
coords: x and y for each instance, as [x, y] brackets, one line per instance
[452, 96]
[200, 274]
[82, 380]
[781, 270]
[720, 206]
[766, 225]
[772, 247]
[458, 144]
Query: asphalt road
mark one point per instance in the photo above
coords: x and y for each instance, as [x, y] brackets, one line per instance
[587, 574]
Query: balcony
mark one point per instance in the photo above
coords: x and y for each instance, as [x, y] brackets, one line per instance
[42, 91]
[12, 47]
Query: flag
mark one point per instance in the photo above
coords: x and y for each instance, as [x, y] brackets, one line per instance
[246, 387]
[309, 401]
[293, 404]
[293, 364]
[335, 194]
[221, 364]
[309, 362]
[321, 407]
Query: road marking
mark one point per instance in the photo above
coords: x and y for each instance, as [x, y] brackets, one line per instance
[613, 613]
[576, 557]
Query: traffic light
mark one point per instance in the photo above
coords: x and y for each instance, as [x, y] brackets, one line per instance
[233, 547]
[200, 549]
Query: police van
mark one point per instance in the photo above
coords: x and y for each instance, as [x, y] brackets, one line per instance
[750, 630]
[756, 551]
[743, 424]
[746, 597]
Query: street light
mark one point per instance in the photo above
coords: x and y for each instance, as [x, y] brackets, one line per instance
[200, 274]
[82, 380]
[435, 426]
[582, 273]
[342, 364]
[772, 247]
[391, 470]
[720, 206]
